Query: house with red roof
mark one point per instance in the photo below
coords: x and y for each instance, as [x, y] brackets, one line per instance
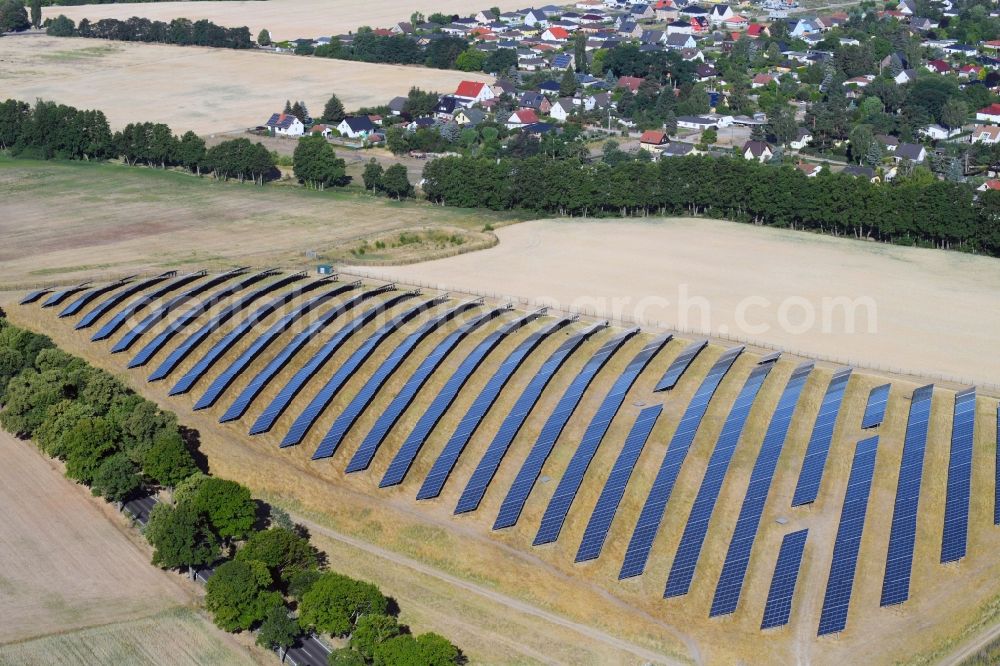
[521, 118]
[653, 140]
[630, 83]
[938, 67]
[756, 30]
[989, 185]
[473, 92]
[555, 34]
[989, 113]
[762, 80]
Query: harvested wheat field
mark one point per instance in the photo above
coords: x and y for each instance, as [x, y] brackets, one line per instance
[285, 19]
[463, 569]
[205, 90]
[934, 313]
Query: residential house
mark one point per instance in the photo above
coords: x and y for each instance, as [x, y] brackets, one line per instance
[913, 152]
[640, 12]
[402, 28]
[757, 150]
[736, 22]
[473, 92]
[535, 19]
[521, 118]
[697, 122]
[755, 30]
[447, 106]
[549, 88]
[680, 41]
[938, 67]
[989, 185]
[905, 76]
[555, 34]
[802, 139]
[396, 105]
[471, 117]
[938, 132]
[538, 129]
[630, 83]
[324, 131]
[810, 170]
[536, 102]
[990, 113]
[907, 7]
[705, 72]
[804, 27]
[356, 127]
[285, 124]
[562, 109]
[563, 61]
[889, 142]
[762, 80]
[653, 140]
[860, 172]
[923, 24]
[595, 101]
[680, 28]
[988, 134]
[720, 13]
[677, 149]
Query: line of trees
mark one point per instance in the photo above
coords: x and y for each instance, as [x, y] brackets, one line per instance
[913, 212]
[272, 581]
[180, 31]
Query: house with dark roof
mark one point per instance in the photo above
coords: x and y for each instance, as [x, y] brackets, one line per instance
[912, 152]
[285, 124]
[757, 150]
[356, 127]
[860, 172]
[535, 101]
[396, 105]
[447, 106]
[677, 149]
[471, 117]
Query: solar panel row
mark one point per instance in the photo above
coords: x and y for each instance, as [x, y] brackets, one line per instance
[680, 365]
[778, 607]
[811, 474]
[369, 446]
[382, 374]
[734, 569]
[648, 523]
[181, 351]
[956, 505]
[446, 461]
[517, 494]
[875, 411]
[407, 453]
[261, 342]
[572, 478]
[59, 296]
[160, 313]
[483, 475]
[837, 599]
[116, 298]
[604, 512]
[191, 315]
[689, 551]
[33, 296]
[305, 420]
[141, 303]
[903, 533]
[86, 297]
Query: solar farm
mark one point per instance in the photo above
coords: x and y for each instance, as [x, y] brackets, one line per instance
[746, 505]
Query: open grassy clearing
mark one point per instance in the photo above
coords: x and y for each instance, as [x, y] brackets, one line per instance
[945, 600]
[178, 637]
[63, 222]
[194, 88]
[285, 19]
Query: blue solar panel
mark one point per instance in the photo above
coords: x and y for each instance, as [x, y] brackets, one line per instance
[188, 317]
[786, 572]
[378, 379]
[304, 374]
[903, 533]
[113, 300]
[181, 351]
[659, 494]
[59, 296]
[688, 552]
[837, 599]
[406, 454]
[369, 445]
[956, 506]
[518, 493]
[33, 296]
[734, 569]
[569, 484]
[254, 387]
[811, 474]
[488, 464]
[141, 303]
[236, 368]
[83, 299]
[875, 411]
[446, 461]
[614, 487]
[160, 313]
[680, 365]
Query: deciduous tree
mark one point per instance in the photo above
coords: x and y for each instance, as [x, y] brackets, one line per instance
[237, 595]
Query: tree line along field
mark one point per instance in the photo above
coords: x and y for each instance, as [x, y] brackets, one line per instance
[946, 599]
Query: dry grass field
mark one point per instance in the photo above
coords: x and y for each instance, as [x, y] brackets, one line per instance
[285, 19]
[947, 601]
[191, 88]
[935, 312]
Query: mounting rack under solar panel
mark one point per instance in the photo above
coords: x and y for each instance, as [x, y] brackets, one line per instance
[818, 450]
[837, 599]
[284, 356]
[517, 494]
[734, 569]
[181, 351]
[407, 453]
[680, 366]
[875, 410]
[111, 301]
[653, 509]
[83, 299]
[347, 418]
[778, 607]
[160, 313]
[191, 315]
[903, 531]
[488, 464]
[304, 421]
[689, 551]
[369, 446]
[956, 505]
[565, 493]
[445, 462]
[614, 487]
